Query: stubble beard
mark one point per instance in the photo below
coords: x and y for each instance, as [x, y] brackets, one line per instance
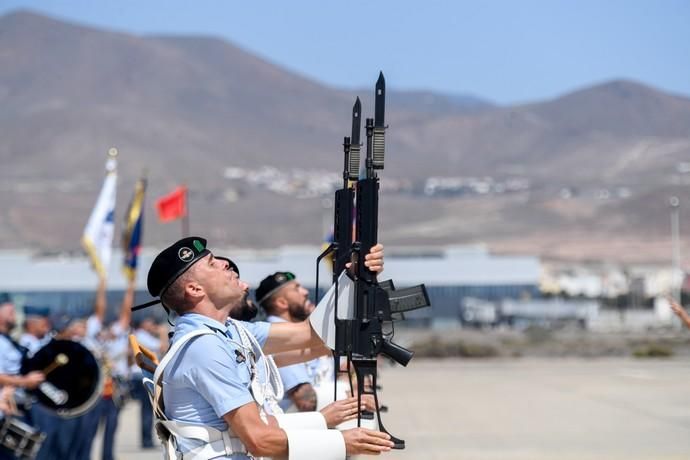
[299, 312]
[244, 310]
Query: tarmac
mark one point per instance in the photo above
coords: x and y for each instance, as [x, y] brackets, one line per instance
[521, 409]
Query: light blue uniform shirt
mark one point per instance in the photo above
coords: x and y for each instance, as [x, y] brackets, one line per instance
[33, 343]
[293, 375]
[10, 360]
[10, 357]
[207, 378]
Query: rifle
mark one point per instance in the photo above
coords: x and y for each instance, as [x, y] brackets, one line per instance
[362, 338]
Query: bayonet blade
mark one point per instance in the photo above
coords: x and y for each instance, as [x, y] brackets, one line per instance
[356, 122]
[353, 168]
[380, 102]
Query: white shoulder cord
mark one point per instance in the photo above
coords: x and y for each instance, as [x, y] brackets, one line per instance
[308, 436]
[267, 392]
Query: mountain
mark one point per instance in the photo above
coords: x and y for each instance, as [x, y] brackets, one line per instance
[581, 169]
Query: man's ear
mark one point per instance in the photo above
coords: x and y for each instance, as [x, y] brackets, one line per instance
[280, 303]
[194, 290]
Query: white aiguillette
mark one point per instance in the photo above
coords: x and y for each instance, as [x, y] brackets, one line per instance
[322, 318]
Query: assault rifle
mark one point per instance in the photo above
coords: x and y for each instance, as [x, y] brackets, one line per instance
[362, 338]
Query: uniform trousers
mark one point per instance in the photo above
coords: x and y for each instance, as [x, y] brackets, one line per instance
[146, 410]
[108, 412]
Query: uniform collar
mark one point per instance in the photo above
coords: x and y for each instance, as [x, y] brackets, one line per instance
[191, 321]
[275, 319]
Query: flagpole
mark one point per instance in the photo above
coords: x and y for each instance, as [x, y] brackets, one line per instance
[185, 218]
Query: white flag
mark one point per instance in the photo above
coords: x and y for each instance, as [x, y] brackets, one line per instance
[98, 234]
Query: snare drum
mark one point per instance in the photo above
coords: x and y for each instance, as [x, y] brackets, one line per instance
[22, 440]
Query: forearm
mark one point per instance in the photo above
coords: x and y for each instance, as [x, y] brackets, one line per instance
[126, 307]
[12, 380]
[291, 336]
[269, 441]
[685, 318]
[300, 356]
[260, 439]
[272, 443]
[100, 304]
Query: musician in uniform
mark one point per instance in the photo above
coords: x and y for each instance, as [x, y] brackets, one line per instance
[154, 337]
[11, 355]
[211, 407]
[37, 328]
[11, 352]
[110, 343]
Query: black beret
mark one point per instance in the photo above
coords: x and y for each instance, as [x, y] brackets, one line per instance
[173, 261]
[232, 265]
[271, 284]
[62, 321]
[30, 310]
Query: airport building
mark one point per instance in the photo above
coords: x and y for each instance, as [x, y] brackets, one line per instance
[451, 274]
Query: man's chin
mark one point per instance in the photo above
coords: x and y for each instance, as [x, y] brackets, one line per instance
[245, 310]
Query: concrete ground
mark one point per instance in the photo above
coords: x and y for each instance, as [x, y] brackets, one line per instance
[529, 409]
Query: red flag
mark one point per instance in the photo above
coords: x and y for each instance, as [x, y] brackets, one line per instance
[173, 205]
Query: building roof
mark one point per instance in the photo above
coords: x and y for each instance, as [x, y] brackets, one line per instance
[21, 270]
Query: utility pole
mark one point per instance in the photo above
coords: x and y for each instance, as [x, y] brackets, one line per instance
[676, 278]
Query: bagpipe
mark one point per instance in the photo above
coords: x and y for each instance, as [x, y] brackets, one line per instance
[366, 330]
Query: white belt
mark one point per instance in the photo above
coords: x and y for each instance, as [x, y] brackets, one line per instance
[216, 443]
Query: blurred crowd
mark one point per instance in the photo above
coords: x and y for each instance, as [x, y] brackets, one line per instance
[95, 357]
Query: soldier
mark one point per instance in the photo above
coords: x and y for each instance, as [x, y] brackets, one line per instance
[285, 300]
[211, 407]
[308, 385]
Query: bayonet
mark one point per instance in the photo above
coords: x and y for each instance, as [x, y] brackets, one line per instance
[379, 131]
[380, 102]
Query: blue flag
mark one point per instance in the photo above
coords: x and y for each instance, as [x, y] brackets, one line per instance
[133, 231]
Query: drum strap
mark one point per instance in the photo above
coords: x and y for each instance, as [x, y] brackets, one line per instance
[20, 348]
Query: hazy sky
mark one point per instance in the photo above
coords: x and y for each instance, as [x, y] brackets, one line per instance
[505, 51]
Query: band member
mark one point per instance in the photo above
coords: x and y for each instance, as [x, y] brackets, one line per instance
[206, 377]
[154, 337]
[11, 352]
[11, 355]
[111, 347]
[37, 328]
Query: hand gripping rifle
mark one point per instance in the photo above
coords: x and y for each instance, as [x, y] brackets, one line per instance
[362, 338]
